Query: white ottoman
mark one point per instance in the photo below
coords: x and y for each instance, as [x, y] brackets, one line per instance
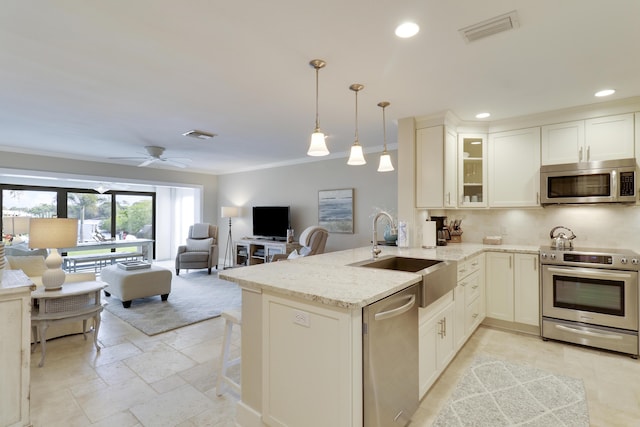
[131, 284]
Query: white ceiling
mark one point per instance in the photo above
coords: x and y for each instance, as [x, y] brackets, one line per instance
[93, 80]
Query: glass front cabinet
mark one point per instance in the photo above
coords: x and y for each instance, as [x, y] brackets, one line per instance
[472, 170]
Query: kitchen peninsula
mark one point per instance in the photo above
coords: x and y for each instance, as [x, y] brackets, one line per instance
[302, 331]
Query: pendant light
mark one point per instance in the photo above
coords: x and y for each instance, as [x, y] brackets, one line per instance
[318, 146]
[356, 157]
[385, 159]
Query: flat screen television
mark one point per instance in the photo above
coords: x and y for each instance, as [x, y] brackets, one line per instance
[271, 222]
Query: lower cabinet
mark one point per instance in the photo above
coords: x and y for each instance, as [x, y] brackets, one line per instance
[447, 323]
[15, 333]
[469, 298]
[512, 287]
[436, 347]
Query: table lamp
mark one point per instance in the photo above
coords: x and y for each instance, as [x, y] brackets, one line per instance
[52, 234]
[15, 226]
[229, 212]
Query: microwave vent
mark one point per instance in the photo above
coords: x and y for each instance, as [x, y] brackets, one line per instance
[491, 26]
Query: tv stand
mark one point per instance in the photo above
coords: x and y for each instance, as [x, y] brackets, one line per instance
[260, 250]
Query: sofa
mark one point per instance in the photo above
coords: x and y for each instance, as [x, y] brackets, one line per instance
[33, 266]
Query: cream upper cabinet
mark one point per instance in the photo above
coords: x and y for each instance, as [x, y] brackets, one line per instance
[472, 170]
[602, 138]
[609, 138]
[430, 167]
[436, 165]
[450, 168]
[514, 168]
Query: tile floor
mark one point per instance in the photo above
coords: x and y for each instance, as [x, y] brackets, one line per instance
[169, 379]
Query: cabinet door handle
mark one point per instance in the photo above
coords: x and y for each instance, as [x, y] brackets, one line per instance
[448, 198]
[463, 283]
[537, 197]
[509, 262]
[444, 322]
[474, 287]
[580, 154]
[474, 315]
[440, 332]
[535, 264]
[588, 152]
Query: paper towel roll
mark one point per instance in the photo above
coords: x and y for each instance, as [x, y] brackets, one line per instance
[429, 234]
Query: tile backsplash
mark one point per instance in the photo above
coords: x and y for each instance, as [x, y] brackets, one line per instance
[602, 226]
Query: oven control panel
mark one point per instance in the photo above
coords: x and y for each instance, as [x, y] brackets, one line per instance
[595, 258]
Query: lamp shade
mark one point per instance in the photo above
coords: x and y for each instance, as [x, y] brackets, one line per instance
[15, 225]
[230, 212]
[46, 233]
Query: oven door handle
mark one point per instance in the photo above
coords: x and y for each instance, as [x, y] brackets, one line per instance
[587, 272]
[588, 333]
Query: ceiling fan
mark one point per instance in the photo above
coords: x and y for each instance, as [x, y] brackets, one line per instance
[155, 155]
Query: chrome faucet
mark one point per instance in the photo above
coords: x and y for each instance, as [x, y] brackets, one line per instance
[375, 251]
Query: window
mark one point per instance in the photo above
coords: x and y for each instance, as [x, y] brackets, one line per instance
[20, 204]
[94, 215]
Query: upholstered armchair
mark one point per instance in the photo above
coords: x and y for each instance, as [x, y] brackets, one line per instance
[313, 240]
[201, 250]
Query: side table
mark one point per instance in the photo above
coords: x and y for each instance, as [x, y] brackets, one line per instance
[75, 301]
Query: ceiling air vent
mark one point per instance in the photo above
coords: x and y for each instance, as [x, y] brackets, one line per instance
[492, 26]
[199, 134]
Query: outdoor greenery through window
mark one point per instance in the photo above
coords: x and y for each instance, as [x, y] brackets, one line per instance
[113, 216]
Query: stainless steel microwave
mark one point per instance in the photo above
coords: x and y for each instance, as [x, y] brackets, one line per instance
[608, 181]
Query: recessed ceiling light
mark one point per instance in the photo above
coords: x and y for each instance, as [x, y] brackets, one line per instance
[482, 115]
[605, 92]
[407, 29]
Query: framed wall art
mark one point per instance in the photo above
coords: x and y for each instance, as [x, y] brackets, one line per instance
[335, 210]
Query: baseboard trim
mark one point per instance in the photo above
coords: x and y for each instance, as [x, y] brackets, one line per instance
[247, 416]
[511, 326]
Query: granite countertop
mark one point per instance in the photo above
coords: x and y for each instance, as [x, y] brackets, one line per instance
[331, 280]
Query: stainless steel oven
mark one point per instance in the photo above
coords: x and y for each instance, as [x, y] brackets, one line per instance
[590, 297]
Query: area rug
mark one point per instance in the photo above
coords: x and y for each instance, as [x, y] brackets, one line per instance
[194, 297]
[495, 392]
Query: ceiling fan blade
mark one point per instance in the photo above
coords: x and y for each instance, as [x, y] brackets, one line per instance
[175, 163]
[147, 162]
[128, 158]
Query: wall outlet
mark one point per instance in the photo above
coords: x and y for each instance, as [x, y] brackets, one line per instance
[301, 318]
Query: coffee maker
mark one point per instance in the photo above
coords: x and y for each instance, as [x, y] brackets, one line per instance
[442, 231]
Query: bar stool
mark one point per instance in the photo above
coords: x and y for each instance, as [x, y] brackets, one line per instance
[231, 317]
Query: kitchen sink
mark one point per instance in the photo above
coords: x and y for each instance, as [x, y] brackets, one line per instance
[438, 277]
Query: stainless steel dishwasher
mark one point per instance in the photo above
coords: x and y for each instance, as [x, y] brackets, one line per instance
[390, 359]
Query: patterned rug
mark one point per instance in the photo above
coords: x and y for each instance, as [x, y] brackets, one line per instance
[496, 393]
[194, 297]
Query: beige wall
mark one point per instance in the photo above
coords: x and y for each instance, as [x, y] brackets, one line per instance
[120, 173]
[298, 185]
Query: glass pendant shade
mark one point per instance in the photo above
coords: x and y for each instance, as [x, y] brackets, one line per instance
[318, 146]
[356, 158]
[385, 159]
[385, 163]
